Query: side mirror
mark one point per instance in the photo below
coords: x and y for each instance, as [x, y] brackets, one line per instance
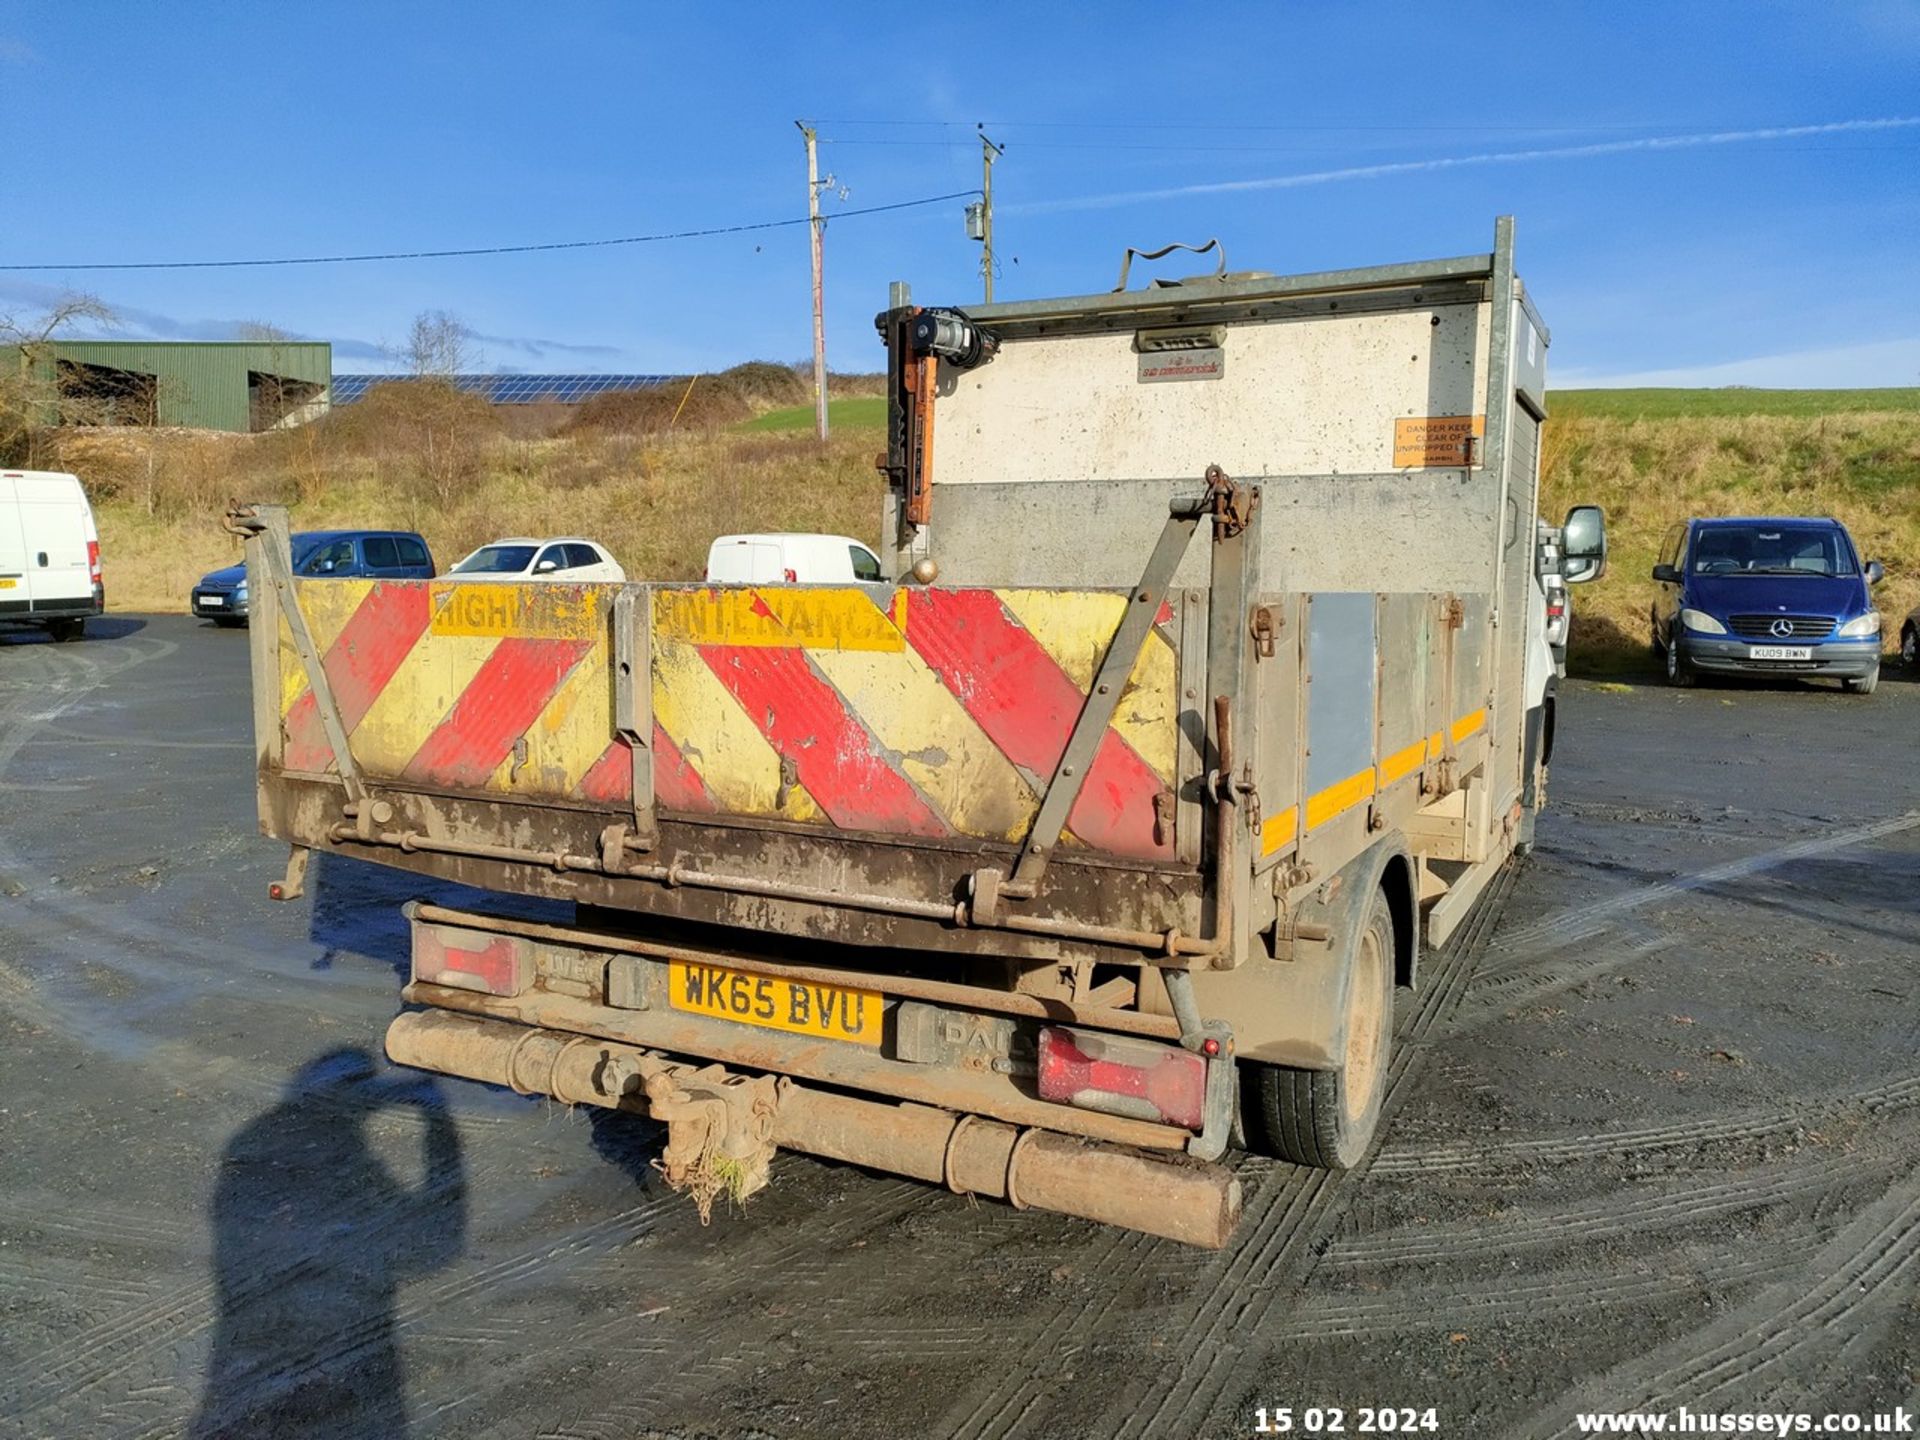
[1583, 544]
[1876, 572]
[546, 566]
[1666, 574]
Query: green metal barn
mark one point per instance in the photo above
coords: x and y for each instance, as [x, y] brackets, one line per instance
[210, 385]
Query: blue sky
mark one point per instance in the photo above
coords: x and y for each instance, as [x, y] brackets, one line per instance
[1305, 136]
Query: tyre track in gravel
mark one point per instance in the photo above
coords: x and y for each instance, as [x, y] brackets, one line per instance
[1800, 1324]
[777, 1254]
[1236, 1299]
[1610, 1217]
[60, 919]
[1570, 1292]
[67, 1375]
[1493, 1157]
[1524, 945]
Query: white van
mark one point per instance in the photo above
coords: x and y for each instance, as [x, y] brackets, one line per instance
[49, 553]
[791, 560]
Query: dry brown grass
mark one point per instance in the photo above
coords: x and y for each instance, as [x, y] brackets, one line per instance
[655, 501]
[1861, 468]
[460, 476]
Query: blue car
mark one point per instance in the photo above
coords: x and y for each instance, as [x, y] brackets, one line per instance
[1785, 596]
[331, 554]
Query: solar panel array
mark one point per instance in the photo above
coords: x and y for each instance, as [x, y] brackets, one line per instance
[510, 389]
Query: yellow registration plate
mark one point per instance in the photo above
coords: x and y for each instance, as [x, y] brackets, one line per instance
[831, 1012]
[8, 584]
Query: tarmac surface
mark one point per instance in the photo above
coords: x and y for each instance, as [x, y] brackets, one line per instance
[1654, 1138]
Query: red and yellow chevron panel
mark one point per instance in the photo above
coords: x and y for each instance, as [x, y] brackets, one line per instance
[932, 713]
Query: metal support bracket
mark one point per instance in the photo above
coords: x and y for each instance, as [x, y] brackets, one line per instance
[1214, 1040]
[270, 550]
[1123, 653]
[633, 705]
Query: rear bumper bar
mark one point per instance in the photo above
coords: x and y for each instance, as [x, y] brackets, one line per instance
[62, 609]
[1195, 1204]
[960, 1047]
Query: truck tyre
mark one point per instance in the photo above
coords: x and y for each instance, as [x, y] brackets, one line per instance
[65, 632]
[1863, 685]
[1326, 1118]
[1910, 647]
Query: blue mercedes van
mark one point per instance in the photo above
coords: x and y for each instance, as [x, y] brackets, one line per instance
[1782, 596]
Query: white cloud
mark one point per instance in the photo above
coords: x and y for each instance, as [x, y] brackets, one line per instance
[1875, 364]
[1455, 162]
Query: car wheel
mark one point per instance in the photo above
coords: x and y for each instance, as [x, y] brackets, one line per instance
[1862, 685]
[1326, 1118]
[1910, 647]
[1679, 672]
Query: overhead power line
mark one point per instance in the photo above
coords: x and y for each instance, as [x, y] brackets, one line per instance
[500, 249]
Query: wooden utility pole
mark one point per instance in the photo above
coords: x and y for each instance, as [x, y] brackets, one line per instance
[989, 152]
[817, 228]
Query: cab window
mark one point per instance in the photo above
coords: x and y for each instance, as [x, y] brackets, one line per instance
[865, 566]
[381, 552]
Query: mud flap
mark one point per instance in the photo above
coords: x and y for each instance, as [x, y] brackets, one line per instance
[1535, 755]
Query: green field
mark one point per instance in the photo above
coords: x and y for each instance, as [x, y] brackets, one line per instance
[1727, 400]
[858, 412]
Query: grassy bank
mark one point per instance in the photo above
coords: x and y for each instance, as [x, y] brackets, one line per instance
[741, 456]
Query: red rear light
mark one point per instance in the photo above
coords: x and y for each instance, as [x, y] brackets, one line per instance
[1554, 612]
[1123, 1076]
[469, 960]
[792, 579]
[93, 560]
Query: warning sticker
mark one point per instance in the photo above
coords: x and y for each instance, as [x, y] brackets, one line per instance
[1160, 366]
[1434, 440]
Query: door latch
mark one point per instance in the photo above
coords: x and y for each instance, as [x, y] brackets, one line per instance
[1264, 629]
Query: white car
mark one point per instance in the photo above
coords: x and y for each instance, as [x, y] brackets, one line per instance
[567, 558]
[791, 559]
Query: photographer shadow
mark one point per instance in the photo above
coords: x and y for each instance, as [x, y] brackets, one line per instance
[313, 1235]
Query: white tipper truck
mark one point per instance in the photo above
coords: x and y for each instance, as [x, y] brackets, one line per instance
[1210, 683]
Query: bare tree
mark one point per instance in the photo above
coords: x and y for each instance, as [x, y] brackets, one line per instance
[263, 332]
[29, 378]
[439, 345]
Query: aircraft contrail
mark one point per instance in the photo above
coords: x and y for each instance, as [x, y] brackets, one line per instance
[1456, 162]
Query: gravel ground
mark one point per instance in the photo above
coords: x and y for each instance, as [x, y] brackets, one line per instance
[1653, 1139]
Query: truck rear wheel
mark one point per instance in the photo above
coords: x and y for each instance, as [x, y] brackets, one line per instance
[1326, 1118]
[65, 632]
